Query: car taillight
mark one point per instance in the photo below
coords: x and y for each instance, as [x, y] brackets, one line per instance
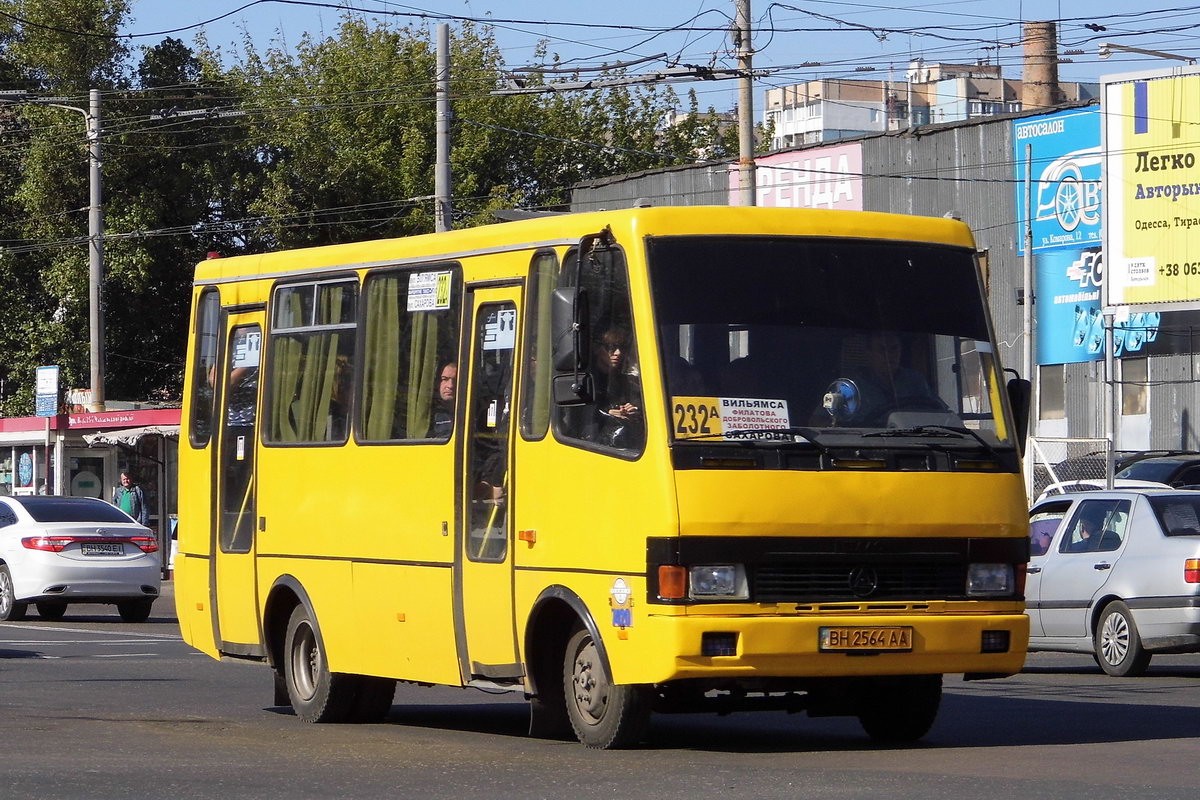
[1191, 570]
[56, 544]
[147, 544]
[51, 544]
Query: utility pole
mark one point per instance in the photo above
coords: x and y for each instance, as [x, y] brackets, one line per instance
[95, 254]
[441, 170]
[91, 118]
[745, 53]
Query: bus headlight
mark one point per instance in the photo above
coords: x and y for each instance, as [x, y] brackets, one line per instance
[718, 582]
[990, 580]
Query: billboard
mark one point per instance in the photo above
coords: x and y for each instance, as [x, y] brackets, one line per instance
[1151, 141]
[1064, 163]
[817, 177]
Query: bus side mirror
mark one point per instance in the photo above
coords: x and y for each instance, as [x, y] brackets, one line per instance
[1019, 393]
[567, 322]
[572, 384]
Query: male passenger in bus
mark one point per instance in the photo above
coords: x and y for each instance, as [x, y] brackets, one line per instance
[885, 384]
[442, 421]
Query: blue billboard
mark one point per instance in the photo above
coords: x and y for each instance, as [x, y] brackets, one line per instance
[1064, 165]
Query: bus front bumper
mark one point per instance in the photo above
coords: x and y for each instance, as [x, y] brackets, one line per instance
[678, 647]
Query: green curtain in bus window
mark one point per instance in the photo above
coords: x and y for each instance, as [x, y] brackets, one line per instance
[382, 366]
[535, 414]
[423, 356]
[285, 368]
[311, 407]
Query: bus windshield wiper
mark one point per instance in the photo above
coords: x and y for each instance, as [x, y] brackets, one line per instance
[763, 437]
[941, 431]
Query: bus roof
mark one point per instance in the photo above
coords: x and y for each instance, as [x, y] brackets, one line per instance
[563, 229]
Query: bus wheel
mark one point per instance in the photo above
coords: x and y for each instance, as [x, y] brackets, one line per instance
[51, 611]
[316, 694]
[372, 698]
[899, 709]
[604, 715]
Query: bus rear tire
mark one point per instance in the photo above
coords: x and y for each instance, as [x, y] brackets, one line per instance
[900, 709]
[315, 693]
[604, 715]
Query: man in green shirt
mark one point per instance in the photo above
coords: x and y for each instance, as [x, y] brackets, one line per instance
[129, 498]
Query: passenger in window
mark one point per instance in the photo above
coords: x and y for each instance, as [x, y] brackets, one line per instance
[443, 402]
[1087, 532]
[341, 398]
[618, 390]
[886, 385]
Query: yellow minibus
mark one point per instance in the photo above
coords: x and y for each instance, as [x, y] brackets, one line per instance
[621, 462]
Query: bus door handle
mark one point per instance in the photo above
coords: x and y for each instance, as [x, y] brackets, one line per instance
[1032, 570]
[1102, 565]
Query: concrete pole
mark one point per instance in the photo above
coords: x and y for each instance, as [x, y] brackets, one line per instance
[746, 170]
[441, 171]
[95, 254]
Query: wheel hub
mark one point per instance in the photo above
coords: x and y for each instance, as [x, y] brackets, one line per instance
[1114, 639]
[591, 691]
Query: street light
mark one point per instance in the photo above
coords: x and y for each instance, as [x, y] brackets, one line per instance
[1107, 48]
[91, 116]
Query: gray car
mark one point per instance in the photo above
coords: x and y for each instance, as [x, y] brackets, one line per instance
[1115, 574]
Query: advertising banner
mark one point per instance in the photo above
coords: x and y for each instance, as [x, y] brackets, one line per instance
[1064, 166]
[1152, 138]
[1065, 151]
[818, 177]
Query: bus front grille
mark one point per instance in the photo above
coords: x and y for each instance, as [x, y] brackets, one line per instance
[804, 583]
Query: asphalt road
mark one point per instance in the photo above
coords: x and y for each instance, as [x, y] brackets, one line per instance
[91, 707]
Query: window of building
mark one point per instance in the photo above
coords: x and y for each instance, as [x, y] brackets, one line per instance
[1134, 389]
[310, 375]
[1052, 387]
[410, 349]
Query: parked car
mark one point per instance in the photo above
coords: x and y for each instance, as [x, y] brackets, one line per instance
[1067, 487]
[1117, 574]
[1177, 469]
[60, 550]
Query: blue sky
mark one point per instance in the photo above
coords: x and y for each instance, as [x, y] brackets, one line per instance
[846, 39]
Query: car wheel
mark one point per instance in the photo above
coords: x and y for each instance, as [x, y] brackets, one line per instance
[135, 610]
[10, 609]
[1118, 646]
[604, 715]
[899, 709]
[51, 611]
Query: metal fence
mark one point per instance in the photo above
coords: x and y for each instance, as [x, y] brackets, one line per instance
[1058, 460]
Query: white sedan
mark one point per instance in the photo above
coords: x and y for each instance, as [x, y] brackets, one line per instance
[60, 550]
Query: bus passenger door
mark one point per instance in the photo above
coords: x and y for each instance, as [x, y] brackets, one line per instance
[484, 606]
[235, 596]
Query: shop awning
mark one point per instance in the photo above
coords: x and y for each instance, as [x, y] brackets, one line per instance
[130, 436]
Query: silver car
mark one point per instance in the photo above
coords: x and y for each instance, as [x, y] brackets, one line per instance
[1115, 574]
[60, 550]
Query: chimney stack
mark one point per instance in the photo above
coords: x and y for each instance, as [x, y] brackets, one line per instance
[1040, 87]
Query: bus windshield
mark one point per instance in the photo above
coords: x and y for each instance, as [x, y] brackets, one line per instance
[834, 336]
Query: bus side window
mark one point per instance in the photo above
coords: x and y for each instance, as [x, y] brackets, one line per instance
[204, 368]
[535, 388]
[614, 417]
[411, 334]
[311, 369]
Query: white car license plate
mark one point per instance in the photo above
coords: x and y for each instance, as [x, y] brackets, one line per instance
[102, 549]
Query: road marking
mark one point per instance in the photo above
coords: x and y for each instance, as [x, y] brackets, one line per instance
[23, 627]
[124, 655]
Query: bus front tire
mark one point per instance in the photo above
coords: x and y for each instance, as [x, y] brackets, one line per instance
[900, 709]
[604, 715]
[133, 610]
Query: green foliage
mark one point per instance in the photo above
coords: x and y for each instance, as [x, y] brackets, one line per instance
[330, 140]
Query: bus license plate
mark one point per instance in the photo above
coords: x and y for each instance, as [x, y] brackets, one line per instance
[102, 549]
[841, 639]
